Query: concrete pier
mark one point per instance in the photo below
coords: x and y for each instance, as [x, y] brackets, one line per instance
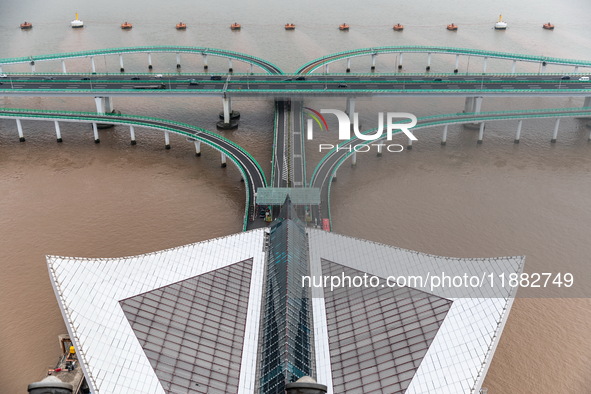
[122, 69]
[64, 67]
[444, 136]
[58, 133]
[380, 146]
[230, 68]
[409, 144]
[223, 158]
[555, 133]
[19, 127]
[428, 62]
[326, 68]
[354, 159]
[480, 133]
[518, 132]
[229, 117]
[456, 67]
[513, 66]
[178, 60]
[92, 65]
[96, 134]
[32, 66]
[350, 106]
[197, 148]
[373, 62]
[149, 61]
[400, 61]
[103, 105]
[166, 140]
[484, 61]
[132, 135]
[349, 65]
[205, 66]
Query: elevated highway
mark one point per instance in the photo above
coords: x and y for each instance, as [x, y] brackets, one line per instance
[328, 165]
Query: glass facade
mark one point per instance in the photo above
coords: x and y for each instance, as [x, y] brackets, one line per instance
[285, 352]
[378, 336]
[193, 331]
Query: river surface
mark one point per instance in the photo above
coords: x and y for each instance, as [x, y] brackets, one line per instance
[465, 200]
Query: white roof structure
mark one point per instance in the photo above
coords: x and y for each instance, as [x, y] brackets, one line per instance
[149, 323]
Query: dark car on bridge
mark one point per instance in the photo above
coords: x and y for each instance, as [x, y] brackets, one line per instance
[216, 78]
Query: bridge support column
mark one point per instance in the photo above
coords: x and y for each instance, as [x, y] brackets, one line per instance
[484, 61]
[576, 69]
[456, 68]
[108, 104]
[197, 148]
[380, 146]
[251, 68]
[166, 140]
[349, 65]
[555, 134]
[223, 159]
[354, 159]
[469, 105]
[64, 67]
[518, 133]
[92, 65]
[178, 60]
[544, 67]
[19, 127]
[478, 105]
[32, 66]
[326, 68]
[587, 102]
[373, 62]
[513, 66]
[400, 61]
[132, 135]
[122, 69]
[230, 68]
[99, 105]
[205, 61]
[428, 62]
[95, 132]
[350, 106]
[480, 133]
[409, 145]
[58, 133]
[229, 117]
[227, 104]
[444, 136]
[149, 61]
[103, 105]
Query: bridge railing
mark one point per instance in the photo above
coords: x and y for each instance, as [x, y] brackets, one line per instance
[446, 50]
[266, 65]
[143, 121]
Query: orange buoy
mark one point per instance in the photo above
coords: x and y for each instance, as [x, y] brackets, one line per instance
[126, 25]
[289, 26]
[181, 26]
[452, 27]
[398, 27]
[26, 25]
[235, 26]
[344, 26]
[548, 26]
